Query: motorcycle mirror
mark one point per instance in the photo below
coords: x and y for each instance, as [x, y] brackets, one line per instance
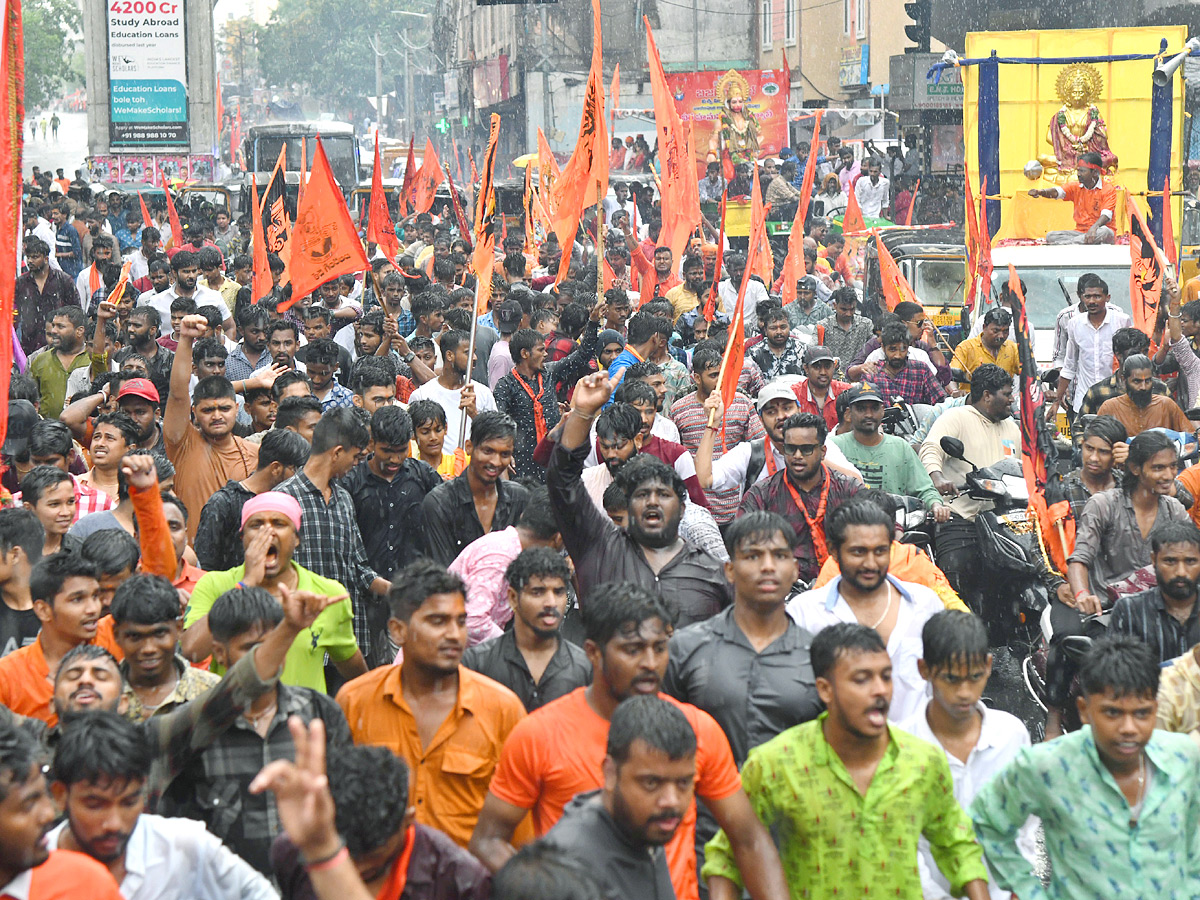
[1194, 414]
[953, 448]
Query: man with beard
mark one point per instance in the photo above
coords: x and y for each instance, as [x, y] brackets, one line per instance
[91, 278]
[689, 295]
[1139, 408]
[65, 354]
[101, 766]
[898, 376]
[446, 721]
[849, 795]
[649, 781]
[806, 311]
[138, 398]
[991, 345]
[145, 327]
[779, 353]
[818, 392]
[186, 266]
[39, 292]
[727, 290]
[1166, 617]
[531, 659]
[541, 769]
[650, 552]
[656, 279]
[28, 868]
[804, 492]
[283, 338]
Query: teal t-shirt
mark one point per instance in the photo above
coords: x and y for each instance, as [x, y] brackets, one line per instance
[891, 466]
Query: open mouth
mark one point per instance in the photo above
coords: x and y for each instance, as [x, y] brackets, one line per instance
[877, 716]
[85, 697]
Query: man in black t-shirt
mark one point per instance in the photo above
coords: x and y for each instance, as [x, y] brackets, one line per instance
[21, 540]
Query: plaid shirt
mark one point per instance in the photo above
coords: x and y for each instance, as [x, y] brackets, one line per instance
[214, 785]
[915, 383]
[89, 500]
[772, 495]
[238, 367]
[741, 424]
[844, 343]
[331, 545]
[798, 318]
[1110, 387]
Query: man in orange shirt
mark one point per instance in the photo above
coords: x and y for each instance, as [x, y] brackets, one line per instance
[656, 278]
[65, 591]
[27, 869]
[447, 722]
[1094, 201]
[558, 751]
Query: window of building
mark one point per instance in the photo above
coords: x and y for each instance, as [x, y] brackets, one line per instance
[848, 16]
[789, 23]
[861, 20]
[766, 23]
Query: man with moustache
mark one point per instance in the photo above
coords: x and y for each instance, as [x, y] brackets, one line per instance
[849, 795]
[558, 752]
[1166, 617]
[1139, 408]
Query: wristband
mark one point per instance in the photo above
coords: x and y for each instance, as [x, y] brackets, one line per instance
[328, 862]
[1078, 593]
[241, 585]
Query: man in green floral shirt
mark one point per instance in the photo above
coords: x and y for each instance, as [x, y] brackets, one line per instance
[847, 797]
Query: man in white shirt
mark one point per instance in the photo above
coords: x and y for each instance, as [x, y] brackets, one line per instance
[453, 392]
[873, 191]
[186, 267]
[727, 290]
[91, 279]
[619, 204]
[1089, 341]
[139, 259]
[859, 536]
[101, 767]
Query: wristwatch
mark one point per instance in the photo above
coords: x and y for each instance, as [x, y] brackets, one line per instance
[409, 356]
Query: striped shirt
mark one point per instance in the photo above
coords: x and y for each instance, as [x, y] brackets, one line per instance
[741, 424]
[1145, 616]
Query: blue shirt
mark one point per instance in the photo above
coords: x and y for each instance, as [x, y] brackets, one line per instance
[66, 240]
[1094, 850]
[622, 360]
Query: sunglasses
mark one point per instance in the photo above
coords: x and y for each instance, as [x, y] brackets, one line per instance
[802, 449]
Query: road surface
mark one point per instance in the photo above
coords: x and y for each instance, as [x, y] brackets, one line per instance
[67, 153]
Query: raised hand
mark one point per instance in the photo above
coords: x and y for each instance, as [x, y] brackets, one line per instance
[139, 471]
[301, 608]
[592, 391]
[301, 790]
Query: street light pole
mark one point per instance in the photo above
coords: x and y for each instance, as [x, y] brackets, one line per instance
[378, 83]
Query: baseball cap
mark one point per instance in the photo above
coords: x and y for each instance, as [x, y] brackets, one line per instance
[864, 390]
[508, 316]
[774, 391]
[806, 283]
[139, 387]
[21, 419]
[816, 353]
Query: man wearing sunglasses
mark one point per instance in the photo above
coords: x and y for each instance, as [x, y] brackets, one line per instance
[804, 491]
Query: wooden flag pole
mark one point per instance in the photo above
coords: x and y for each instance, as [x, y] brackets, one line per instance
[462, 426]
[599, 240]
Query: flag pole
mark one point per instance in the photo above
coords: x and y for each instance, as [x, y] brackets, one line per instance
[462, 425]
[599, 240]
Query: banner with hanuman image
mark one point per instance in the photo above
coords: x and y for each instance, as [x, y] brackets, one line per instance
[743, 112]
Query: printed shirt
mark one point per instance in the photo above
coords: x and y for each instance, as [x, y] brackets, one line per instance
[844, 343]
[1094, 851]
[191, 684]
[741, 424]
[789, 362]
[1179, 696]
[835, 841]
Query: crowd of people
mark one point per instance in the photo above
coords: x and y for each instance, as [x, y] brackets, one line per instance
[301, 599]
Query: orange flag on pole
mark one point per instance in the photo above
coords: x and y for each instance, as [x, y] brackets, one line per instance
[793, 263]
[548, 173]
[260, 281]
[427, 179]
[972, 237]
[586, 172]
[1145, 270]
[176, 239]
[895, 286]
[614, 93]
[1168, 229]
[324, 240]
[764, 266]
[676, 160]
[735, 344]
[380, 228]
[410, 172]
[147, 222]
[484, 257]
[912, 204]
[852, 219]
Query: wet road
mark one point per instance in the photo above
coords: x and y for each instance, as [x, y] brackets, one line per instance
[68, 152]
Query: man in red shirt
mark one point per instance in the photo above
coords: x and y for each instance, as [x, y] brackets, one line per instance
[818, 392]
[558, 751]
[1094, 200]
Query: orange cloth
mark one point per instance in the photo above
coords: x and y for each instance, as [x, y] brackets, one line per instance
[1191, 290]
[187, 578]
[450, 776]
[201, 470]
[26, 685]
[651, 287]
[1190, 479]
[1163, 412]
[154, 535]
[1090, 203]
[558, 752]
[67, 875]
[908, 563]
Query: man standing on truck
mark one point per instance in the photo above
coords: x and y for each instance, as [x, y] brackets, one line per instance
[1094, 200]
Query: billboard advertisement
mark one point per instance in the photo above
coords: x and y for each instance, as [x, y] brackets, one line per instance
[147, 72]
[742, 111]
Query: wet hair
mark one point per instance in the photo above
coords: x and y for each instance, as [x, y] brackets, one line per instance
[417, 582]
[51, 573]
[40, 479]
[640, 328]
[322, 352]
[1109, 429]
[1122, 664]
[151, 315]
[20, 527]
[238, 610]
[391, 425]
[619, 422]
[704, 357]
[644, 468]
[369, 374]
[100, 748]
[1141, 449]
[49, 437]
[954, 637]
[214, 387]
[614, 499]
[617, 607]
[422, 411]
[1165, 533]
[123, 423]
[285, 381]
[284, 325]
[1090, 280]
[807, 420]
[538, 515]
[145, 600]
[76, 316]
[208, 348]
[541, 871]
[656, 722]
[492, 425]
[844, 294]
[906, 309]
[633, 391]
[988, 378]
[640, 371]
[893, 333]
[349, 427]
[1134, 362]
[573, 318]
[184, 259]
[757, 526]
[112, 550]
[853, 512]
[835, 640]
[997, 316]
[541, 562]
[293, 409]
[370, 788]
[20, 751]
[524, 341]
[1131, 340]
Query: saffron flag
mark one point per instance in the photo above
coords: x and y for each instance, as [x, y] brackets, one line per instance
[324, 242]
[260, 281]
[735, 344]
[147, 222]
[586, 173]
[912, 203]
[118, 291]
[410, 172]
[1168, 229]
[1145, 269]
[463, 228]
[176, 239]
[764, 262]
[710, 304]
[527, 208]
[895, 286]
[793, 263]
[304, 165]
[852, 219]
[677, 162]
[983, 268]
[12, 125]
[548, 173]
[614, 93]
[972, 236]
[427, 179]
[380, 229]
[277, 223]
[484, 258]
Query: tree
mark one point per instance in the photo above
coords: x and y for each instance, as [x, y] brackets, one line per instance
[239, 44]
[49, 26]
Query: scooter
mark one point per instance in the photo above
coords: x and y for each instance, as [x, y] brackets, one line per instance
[1008, 547]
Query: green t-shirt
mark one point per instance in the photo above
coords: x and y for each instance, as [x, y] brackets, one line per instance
[892, 466]
[331, 633]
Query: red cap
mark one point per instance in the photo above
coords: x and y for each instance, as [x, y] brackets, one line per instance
[139, 387]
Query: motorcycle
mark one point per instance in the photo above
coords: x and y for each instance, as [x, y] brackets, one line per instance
[1008, 550]
[1035, 667]
[914, 523]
